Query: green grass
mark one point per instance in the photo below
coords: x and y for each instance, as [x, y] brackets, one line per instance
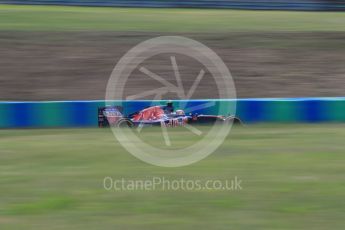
[59, 18]
[293, 178]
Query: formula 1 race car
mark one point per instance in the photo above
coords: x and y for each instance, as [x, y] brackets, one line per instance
[157, 116]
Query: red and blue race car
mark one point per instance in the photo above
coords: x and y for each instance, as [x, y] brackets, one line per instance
[157, 116]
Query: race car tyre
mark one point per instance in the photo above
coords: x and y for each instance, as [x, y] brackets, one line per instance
[235, 120]
[124, 123]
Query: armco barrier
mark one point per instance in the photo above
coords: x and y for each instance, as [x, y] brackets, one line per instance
[84, 113]
[231, 4]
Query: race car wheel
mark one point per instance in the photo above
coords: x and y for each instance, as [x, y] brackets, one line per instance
[233, 119]
[124, 123]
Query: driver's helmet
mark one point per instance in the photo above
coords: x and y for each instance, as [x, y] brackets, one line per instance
[180, 112]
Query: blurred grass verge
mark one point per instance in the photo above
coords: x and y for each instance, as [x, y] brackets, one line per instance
[292, 178]
[60, 18]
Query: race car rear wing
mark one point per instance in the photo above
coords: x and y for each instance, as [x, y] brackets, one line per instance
[109, 115]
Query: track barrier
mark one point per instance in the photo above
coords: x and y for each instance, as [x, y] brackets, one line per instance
[85, 113]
